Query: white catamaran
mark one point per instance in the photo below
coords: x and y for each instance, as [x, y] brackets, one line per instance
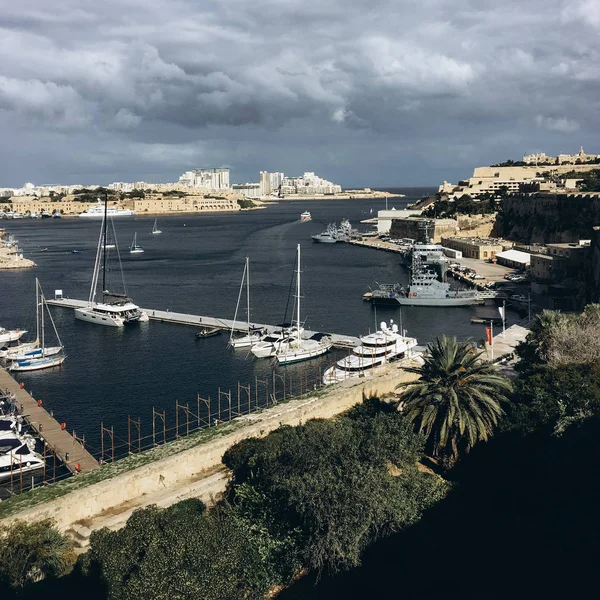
[295, 348]
[115, 309]
[253, 335]
[43, 356]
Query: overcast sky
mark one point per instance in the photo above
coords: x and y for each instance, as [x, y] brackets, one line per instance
[363, 92]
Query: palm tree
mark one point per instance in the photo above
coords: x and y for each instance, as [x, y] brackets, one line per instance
[457, 401]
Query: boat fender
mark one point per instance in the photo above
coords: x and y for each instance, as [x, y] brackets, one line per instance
[39, 402]
[21, 385]
[63, 426]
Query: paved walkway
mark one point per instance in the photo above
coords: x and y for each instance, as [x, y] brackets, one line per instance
[505, 344]
[60, 440]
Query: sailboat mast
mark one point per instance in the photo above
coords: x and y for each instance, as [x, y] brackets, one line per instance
[248, 290]
[298, 292]
[104, 244]
[41, 299]
[37, 310]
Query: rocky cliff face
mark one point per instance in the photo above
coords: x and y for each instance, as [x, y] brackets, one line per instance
[547, 218]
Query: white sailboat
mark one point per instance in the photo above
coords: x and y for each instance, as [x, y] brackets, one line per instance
[155, 228]
[115, 309]
[135, 249]
[253, 335]
[42, 357]
[296, 349]
[34, 349]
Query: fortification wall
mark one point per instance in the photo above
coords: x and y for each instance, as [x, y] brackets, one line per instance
[549, 218]
[143, 483]
[476, 225]
[413, 229]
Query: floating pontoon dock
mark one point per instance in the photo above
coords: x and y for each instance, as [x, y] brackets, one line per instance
[166, 316]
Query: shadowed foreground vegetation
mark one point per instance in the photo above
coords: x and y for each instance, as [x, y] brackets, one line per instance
[311, 497]
[343, 508]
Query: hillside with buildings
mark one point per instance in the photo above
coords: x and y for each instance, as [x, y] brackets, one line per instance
[547, 208]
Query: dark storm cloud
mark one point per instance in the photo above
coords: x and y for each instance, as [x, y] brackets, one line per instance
[368, 92]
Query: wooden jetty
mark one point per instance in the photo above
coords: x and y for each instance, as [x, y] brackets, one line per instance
[166, 316]
[57, 438]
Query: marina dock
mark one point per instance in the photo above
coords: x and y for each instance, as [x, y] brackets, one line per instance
[57, 438]
[166, 316]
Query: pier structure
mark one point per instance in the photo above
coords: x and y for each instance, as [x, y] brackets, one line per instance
[166, 316]
[68, 449]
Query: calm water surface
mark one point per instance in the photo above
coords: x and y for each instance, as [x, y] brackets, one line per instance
[195, 266]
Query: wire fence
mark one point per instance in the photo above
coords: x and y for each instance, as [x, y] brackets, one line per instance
[160, 427]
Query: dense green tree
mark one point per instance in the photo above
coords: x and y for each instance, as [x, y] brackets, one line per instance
[327, 489]
[179, 553]
[555, 397]
[31, 552]
[458, 400]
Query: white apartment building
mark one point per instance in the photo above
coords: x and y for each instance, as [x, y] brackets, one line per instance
[265, 183]
[308, 184]
[276, 181]
[211, 179]
[248, 190]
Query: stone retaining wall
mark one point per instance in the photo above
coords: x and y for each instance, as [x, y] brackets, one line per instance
[148, 480]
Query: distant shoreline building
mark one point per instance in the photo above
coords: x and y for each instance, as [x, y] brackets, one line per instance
[209, 179]
[308, 185]
[571, 159]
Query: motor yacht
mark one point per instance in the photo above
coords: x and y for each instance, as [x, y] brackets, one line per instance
[376, 349]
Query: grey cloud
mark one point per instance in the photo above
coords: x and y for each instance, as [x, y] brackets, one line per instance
[458, 83]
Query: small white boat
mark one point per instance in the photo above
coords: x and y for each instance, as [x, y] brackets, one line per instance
[11, 335]
[269, 343]
[305, 216]
[36, 364]
[18, 456]
[155, 229]
[135, 248]
[18, 348]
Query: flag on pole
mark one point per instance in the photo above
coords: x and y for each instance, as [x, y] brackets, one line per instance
[488, 332]
[501, 310]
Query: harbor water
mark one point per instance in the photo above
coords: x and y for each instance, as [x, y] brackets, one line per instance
[195, 266]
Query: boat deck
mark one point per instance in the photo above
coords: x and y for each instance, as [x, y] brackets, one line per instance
[60, 440]
[166, 316]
